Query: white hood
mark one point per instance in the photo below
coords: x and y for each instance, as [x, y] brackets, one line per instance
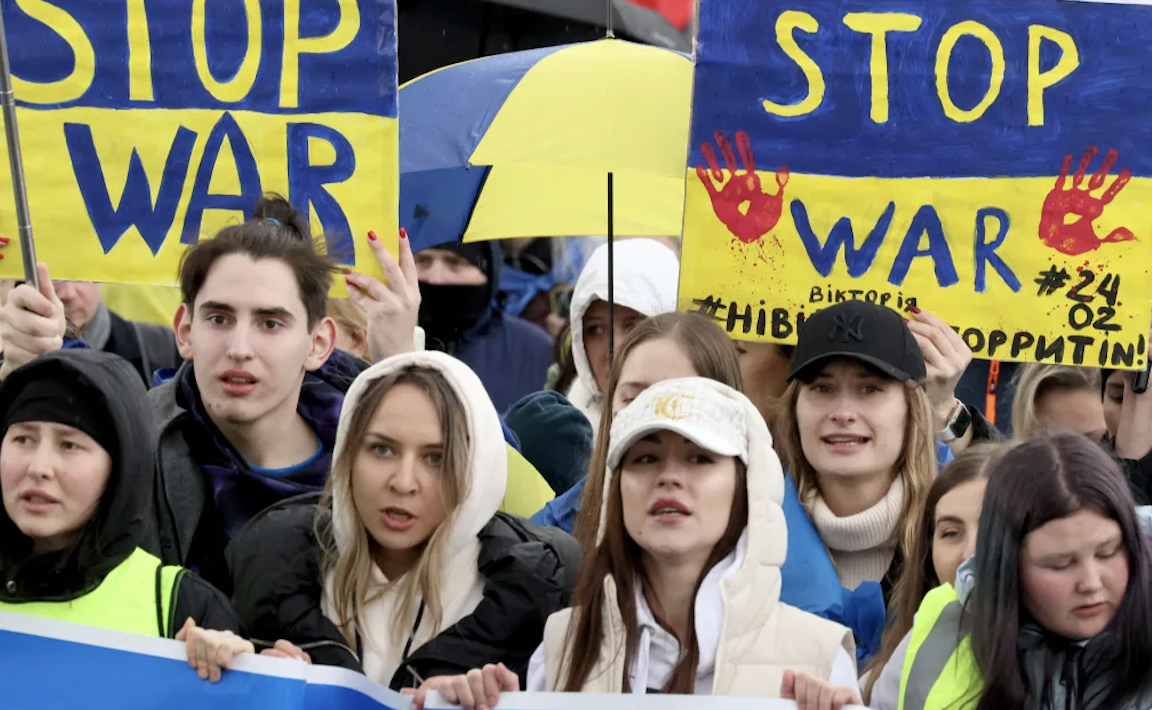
[488, 474]
[647, 276]
[462, 586]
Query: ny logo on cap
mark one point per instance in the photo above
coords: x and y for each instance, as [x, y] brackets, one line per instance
[848, 328]
[670, 407]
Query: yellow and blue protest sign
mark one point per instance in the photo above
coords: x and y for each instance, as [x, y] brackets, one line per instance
[147, 126]
[989, 161]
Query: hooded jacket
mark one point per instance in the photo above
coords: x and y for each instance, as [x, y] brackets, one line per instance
[502, 575]
[747, 637]
[205, 492]
[646, 275]
[123, 516]
[510, 355]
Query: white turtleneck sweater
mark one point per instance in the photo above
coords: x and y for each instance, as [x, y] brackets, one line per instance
[862, 545]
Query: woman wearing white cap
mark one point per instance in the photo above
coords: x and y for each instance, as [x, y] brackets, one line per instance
[686, 575]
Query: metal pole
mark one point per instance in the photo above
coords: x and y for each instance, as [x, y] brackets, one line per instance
[611, 275]
[611, 11]
[16, 162]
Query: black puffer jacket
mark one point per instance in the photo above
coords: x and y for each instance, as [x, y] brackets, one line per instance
[529, 573]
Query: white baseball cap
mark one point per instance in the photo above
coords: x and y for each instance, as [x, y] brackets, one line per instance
[696, 408]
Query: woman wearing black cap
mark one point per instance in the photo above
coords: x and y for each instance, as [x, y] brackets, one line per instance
[870, 397]
[76, 483]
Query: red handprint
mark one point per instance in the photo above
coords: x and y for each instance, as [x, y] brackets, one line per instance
[1078, 236]
[763, 210]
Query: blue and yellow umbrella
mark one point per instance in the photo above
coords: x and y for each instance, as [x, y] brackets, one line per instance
[520, 144]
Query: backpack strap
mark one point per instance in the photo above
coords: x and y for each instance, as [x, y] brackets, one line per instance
[168, 579]
[160, 631]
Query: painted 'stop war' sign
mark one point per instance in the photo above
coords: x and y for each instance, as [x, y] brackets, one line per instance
[987, 160]
[147, 125]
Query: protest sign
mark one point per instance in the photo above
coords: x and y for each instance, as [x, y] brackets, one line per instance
[51, 665]
[989, 161]
[147, 126]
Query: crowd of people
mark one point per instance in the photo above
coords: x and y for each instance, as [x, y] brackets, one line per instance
[419, 485]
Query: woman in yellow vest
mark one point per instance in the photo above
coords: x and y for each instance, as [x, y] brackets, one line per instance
[682, 595]
[946, 538]
[76, 483]
[1057, 610]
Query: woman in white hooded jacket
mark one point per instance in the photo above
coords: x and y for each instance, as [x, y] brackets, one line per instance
[647, 274]
[682, 595]
[405, 569]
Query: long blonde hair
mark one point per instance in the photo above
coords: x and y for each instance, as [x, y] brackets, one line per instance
[916, 465]
[1035, 380]
[353, 586]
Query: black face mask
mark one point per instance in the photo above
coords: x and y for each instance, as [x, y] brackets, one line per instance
[448, 310]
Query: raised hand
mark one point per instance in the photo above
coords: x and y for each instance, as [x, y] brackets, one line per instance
[1067, 216]
[946, 357]
[392, 310]
[762, 210]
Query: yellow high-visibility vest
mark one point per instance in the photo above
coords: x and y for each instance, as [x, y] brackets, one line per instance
[939, 670]
[138, 597]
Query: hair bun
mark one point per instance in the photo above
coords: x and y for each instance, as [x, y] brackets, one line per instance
[277, 211]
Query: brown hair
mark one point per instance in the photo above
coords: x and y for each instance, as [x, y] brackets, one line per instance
[619, 555]
[713, 356]
[351, 568]
[278, 236]
[918, 576]
[916, 465]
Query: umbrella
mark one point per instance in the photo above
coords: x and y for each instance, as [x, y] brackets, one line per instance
[523, 144]
[664, 23]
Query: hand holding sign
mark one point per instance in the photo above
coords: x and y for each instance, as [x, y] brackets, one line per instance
[762, 210]
[812, 693]
[1079, 236]
[946, 357]
[211, 652]
[480, 689]
[31, 323]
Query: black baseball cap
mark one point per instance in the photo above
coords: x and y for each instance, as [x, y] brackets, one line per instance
[858, 330]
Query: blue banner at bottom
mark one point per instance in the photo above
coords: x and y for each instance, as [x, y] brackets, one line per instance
[49, 665]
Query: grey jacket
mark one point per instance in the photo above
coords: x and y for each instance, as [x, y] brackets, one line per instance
[180, 489]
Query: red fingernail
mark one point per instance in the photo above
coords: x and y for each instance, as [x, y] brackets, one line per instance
[4, 240]
[403, 234]
[915, 310]
[371, 236]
